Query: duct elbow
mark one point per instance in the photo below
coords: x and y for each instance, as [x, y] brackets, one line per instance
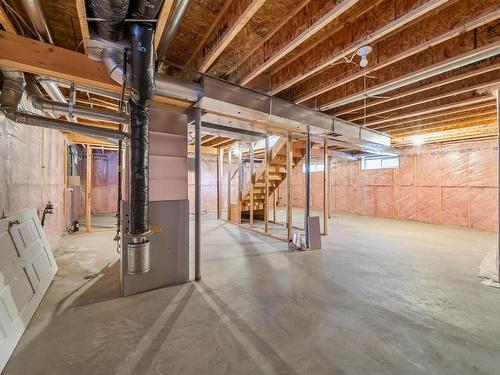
[12, 88]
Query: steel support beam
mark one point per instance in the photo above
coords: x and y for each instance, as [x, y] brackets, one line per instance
[252, 182]
[220, 163]
[289, 161]
[266, 186]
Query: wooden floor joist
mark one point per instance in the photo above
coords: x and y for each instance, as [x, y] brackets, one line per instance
[285, 79]
[465, 111]
[417, 90]
[237, 16]
[285, 47]
[431, 99]
[425, 45]
[5, 21]
[481, 99]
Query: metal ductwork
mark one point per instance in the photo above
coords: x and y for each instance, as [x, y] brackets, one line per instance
[78, 111]
[141, 94]
[12, 88]
[142, 90]
[114, 12]
[36, 14]
[109, 135]
[165, 85]
[175, 21]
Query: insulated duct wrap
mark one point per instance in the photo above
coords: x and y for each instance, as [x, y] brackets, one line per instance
[145, 9]
[114, 13]
[142, 91]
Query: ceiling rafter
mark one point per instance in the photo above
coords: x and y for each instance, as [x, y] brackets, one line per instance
[329, 52]
[235, 18]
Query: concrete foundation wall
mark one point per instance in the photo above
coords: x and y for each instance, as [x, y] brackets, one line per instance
[32, 173]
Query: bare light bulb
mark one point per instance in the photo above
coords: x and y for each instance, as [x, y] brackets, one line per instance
[363, 52]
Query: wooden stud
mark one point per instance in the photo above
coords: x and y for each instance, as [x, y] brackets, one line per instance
[88, 188]
[326, 172]
[237, 16]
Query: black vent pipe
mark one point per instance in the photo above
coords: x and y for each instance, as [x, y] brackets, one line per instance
[141, 94]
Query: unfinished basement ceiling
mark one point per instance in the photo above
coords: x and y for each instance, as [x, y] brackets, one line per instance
[430, 75]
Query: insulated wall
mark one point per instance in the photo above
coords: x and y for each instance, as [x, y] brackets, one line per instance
[450, 184]
[32, 173]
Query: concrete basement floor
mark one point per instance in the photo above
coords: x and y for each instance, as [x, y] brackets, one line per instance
[382, 297]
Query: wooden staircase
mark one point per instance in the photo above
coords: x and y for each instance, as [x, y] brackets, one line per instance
[277, 174]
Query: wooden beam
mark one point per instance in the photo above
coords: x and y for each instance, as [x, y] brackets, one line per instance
[236, 17]
[82, 20]
[282, 46]
[88, 188]
[433, 98]
[441, 108]
[474, 132]
[5, 21]
[163, 18]
[40, 58]
[318, 87]
[331, 51]
[430, 86]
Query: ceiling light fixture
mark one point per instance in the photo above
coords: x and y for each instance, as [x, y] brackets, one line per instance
[363, 52]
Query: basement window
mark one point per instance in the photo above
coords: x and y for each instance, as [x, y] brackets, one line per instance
[380, 162]
[314, 168]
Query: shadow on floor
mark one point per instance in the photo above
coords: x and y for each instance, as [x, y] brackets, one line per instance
[107, 287]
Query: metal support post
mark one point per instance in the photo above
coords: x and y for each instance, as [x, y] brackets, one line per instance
[308, 187]
[197, 194]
